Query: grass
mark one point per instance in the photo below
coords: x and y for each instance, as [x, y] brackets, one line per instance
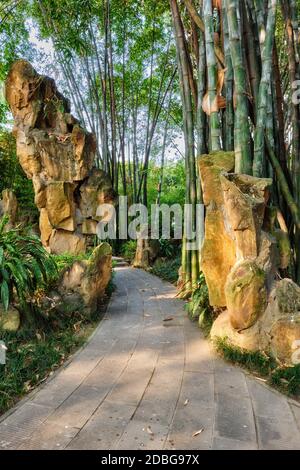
[33, 354]
[286, 379]
[66, 260]
[167, 269]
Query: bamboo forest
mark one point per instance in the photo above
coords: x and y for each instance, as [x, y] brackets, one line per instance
[149, 227]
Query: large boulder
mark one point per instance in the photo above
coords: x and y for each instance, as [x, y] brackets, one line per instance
[218, 249]
[245, 199]
[248, 340]
[58, 154]
[9, 206]
[62, 241]
[95, 190]
[277, 330]
[242, 256]
[9, 320]
[246, 294]
[89, 278]
[285, 339]
[147, 251]
[60, 205]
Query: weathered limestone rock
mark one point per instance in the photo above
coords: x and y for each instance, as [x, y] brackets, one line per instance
[217, 256]
[95, 190]
[211, 166]
[245, 200]
[66, 242]
[249, 339]
[45, 227]
[218, 250]
[90, 278]
[10, 320]
[142, 256]
[246, 294]
[285, 339]
[58, 155]
[89, 227]
[9, 206]
[146, 253]
[60, 205]
[276, 331]
[241, 256]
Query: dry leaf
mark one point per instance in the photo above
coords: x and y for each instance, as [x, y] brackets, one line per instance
[198, 432]
[149, 431]
[27, 386]
[168, 319]
[186, 402]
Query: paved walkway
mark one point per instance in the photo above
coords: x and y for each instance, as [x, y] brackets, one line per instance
[145, 383]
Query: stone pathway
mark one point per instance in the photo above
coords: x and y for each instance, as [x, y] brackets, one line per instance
[145, 383]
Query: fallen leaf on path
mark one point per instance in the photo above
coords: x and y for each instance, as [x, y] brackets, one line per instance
[149, 431]
[168, 319]
[198, 432]
[260, 379]
[147, 315]
[186, 402]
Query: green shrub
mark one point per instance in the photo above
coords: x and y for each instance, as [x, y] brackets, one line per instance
[287, 379]
[24, 266]
[128, 250]
[167, 269]
[167, 249]
[66, 260]
[198, 307]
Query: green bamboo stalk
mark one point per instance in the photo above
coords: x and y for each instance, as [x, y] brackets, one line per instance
[262, 103]
[200, 23]
[212, 77]
[229, 113]
[270, 127]
[189, 258]
[201, 116]
[252, 49]
[294, 208]
[243, 159]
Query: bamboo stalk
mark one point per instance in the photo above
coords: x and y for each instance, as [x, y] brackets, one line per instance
[200, 23]
[262, 103]
[294, 208]
[229, 82]
[215, 130]
[243, 158]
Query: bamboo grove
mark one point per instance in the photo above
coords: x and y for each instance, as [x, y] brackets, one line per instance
[225, 74]
[238, 64]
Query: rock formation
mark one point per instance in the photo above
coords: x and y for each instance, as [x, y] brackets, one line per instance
[241, 256]
[10, 320]
[147, 251]
[58, 155]
[89, 279]
[9, 206]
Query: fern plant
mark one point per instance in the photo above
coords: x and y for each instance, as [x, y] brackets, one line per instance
[24, 265]
[198, 307]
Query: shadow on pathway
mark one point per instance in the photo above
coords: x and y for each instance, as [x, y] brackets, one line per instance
[142, 383]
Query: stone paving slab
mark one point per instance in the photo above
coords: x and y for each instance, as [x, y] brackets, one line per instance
[142, 382]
